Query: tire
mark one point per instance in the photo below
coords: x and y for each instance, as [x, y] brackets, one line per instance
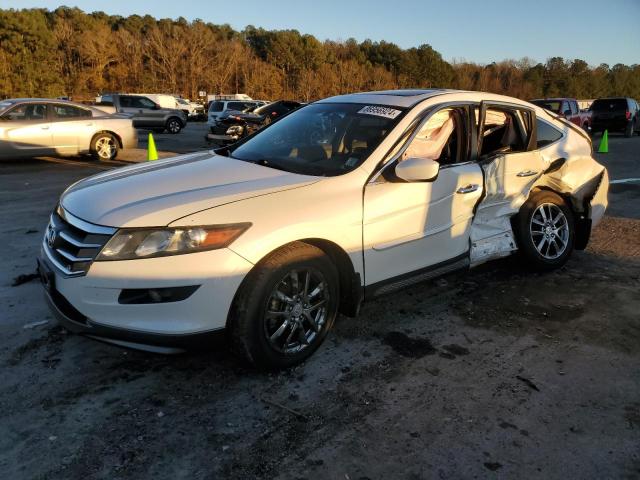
[267, 317]
[104, 147]
[174, 125]
[545, 244]
[631, 126]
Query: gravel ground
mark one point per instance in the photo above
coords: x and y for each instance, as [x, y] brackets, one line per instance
[492, 373]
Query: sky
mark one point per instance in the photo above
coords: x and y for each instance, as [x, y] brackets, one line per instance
[482, 31]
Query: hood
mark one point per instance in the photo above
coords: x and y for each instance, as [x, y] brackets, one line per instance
[158, 193]
[237, 113]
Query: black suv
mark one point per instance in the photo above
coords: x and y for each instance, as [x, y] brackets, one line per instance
[615, 114]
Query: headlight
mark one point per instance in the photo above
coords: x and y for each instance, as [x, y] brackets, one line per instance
[235, 130]
[130, 244]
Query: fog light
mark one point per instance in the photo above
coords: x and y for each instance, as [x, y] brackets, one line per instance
[130, 296]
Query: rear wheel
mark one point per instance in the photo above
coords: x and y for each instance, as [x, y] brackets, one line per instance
[545, 231]
[285, 307]
[104, 146]
[174, 125]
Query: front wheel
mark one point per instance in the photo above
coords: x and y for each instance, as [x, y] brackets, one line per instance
[104, 146]
[630, 129]
[545, 230]
[285, 307]
[174, 125]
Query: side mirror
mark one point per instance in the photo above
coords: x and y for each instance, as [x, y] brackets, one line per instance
[416, 169]
[157, 107]
[567, 113]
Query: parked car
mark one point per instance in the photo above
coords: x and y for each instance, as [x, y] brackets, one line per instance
[146, 113]
[218, 107]
[342, 200]
[32, 127]
[228, 96]
[192, 110]
[233, 125]
[616, 114]
[567, 108]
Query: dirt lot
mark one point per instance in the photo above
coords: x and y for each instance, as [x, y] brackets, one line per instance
[495, 373]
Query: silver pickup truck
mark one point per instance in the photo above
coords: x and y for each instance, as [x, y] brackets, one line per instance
[145, 112]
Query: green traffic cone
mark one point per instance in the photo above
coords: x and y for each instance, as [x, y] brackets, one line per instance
[604, 143]
[152, 153]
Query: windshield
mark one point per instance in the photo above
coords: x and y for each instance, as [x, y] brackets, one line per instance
[323, 139]
[4, 105]
[264, 108]
[552, 105]
[606, 104]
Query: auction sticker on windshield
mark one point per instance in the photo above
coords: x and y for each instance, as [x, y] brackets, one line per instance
[385, 112]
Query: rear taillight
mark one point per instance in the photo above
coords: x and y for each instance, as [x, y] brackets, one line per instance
[627, 114]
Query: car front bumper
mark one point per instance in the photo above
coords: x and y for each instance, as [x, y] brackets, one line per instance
[212, 137]
[92, 304]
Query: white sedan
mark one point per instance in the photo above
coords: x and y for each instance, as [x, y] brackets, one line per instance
[31, 127]
[340, 201]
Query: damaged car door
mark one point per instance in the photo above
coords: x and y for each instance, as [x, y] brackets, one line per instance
[511, 165]
[413, 226]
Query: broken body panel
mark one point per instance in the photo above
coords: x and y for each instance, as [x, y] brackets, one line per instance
[579, 179]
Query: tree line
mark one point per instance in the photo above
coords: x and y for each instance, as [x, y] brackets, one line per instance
[67, 52]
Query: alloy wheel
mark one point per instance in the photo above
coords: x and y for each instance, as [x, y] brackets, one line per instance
[296, 311]
[105, 147]
[174, 126]
[549, 230]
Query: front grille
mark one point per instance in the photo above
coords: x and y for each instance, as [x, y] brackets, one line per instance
[73, 244]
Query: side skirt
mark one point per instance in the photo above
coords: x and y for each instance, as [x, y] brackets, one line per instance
[417, 276]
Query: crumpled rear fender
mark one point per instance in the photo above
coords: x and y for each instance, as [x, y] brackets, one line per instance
[582, 181]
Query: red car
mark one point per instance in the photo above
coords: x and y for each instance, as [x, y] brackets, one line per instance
[567, 108]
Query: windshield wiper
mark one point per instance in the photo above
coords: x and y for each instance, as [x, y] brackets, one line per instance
[269, 163]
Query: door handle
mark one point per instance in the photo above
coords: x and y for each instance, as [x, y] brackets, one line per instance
[526, 173]
[472, 187]
[46, 127]
[89, 124]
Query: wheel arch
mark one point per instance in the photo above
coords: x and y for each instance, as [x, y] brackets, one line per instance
[114, 134]
[351, 291]
[183, 123]
[579, 208]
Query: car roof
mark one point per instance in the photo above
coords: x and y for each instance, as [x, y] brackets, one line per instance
[40, 100]
[557, 99]
[613, 98]
[392, 98]
[13, 101]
